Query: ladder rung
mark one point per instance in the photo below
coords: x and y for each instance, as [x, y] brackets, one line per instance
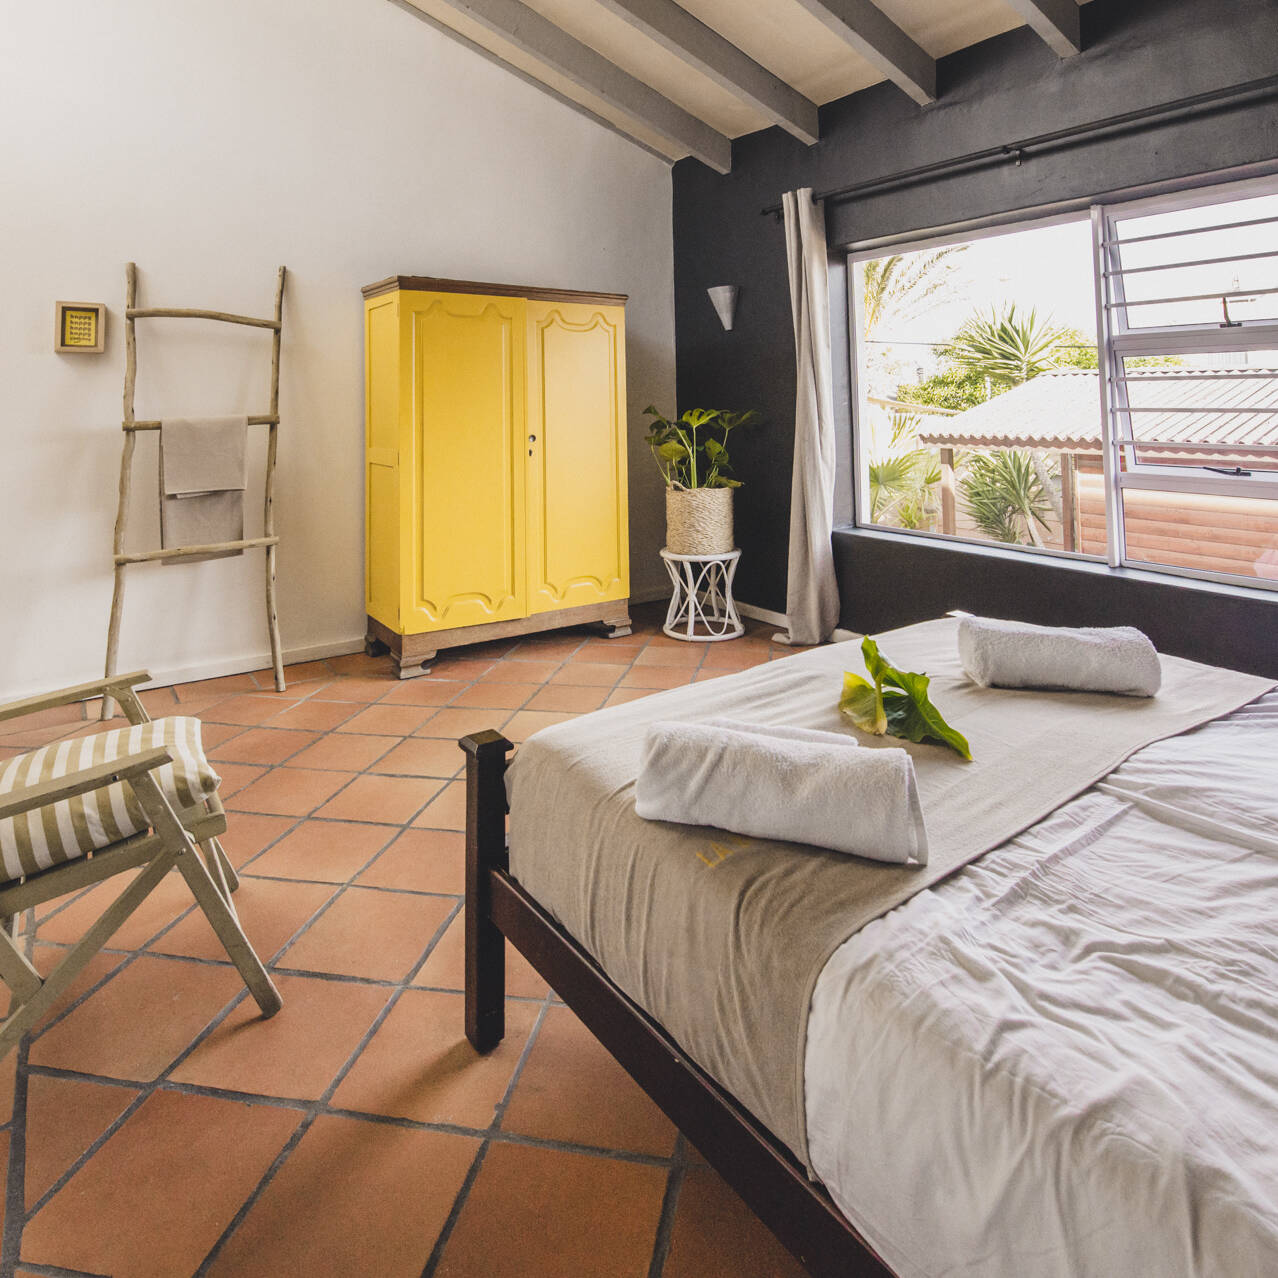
[177, 312]
[261, 420]
[181, 552]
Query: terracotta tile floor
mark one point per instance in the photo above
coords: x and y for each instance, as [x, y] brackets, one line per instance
[160, 1129]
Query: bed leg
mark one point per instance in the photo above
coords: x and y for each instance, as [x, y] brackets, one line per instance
[485, 850]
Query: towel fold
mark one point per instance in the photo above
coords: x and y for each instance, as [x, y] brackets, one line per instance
[1016, 654]
[786, 783]
[203, 475]
[783, 731]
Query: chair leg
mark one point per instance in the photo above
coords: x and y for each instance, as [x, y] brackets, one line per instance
[221, 869]
[228, 870]
[22, 1018]
[229, 932]
[207, 894]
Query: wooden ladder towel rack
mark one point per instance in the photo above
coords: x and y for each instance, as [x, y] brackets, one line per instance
[131, 426]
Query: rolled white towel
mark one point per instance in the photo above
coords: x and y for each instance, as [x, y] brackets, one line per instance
[783, 731]
[1016, 654]
[771, 786]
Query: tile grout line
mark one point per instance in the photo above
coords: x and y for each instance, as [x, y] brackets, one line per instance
[151, 1086]
[16, 1170]
[318, 1106]
[436, 1255]
[669, 1206]
[394, 830]
[148, 1088]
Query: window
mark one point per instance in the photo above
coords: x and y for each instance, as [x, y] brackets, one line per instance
[1103, 388]
[1192, 450]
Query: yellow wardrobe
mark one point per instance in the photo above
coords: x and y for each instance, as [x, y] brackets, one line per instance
[495, 482]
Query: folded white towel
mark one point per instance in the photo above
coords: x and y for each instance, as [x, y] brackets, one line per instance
[1016, 654]
[766, 785]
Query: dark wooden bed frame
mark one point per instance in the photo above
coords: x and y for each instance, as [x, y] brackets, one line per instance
[745, 1154]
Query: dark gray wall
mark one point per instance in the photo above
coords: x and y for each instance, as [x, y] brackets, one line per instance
[1137, 53]
[887, 581]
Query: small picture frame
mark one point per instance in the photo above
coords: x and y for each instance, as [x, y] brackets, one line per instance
[81, 328]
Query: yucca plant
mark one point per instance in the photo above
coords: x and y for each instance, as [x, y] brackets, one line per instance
[1007, 497]
[1007, 348]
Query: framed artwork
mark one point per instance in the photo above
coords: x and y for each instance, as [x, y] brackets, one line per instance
[81, 328]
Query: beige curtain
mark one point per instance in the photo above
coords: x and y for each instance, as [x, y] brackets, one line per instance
[812, 596]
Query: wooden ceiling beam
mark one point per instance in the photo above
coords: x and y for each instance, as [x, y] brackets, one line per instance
[555, 49]
[881, 43]
[703, 48]
[1055, 20]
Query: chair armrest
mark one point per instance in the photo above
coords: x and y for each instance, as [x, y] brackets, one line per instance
[81, 691]
[15, 802]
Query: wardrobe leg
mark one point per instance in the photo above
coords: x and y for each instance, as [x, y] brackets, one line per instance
[617, 626]
[415, 666]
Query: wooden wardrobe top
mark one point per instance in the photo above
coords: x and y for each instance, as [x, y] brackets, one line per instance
[429, 284]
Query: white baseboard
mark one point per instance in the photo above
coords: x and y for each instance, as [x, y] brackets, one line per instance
[162, 678]
[842, 636]
[745, 609]
[762, 614]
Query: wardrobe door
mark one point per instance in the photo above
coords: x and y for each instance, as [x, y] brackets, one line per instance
[465, 471]
[578, 536]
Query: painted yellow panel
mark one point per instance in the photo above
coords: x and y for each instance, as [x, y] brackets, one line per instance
[381, 470]
[578, 535]
[465, 469]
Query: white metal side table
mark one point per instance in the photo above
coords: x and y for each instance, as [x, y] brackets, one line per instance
[701, 607]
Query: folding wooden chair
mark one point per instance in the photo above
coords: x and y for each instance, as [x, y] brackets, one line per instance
[170, 842]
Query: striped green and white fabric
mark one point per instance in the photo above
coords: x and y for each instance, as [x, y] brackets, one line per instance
[64, 831]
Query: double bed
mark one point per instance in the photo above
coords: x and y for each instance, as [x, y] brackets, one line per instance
[1056, 1054]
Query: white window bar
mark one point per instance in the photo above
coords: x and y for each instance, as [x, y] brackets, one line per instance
[1102, 252]
[1190, 230]
[1202, 261]
[1251, 474]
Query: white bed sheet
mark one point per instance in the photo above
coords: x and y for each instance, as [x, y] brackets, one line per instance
[1063, 1061]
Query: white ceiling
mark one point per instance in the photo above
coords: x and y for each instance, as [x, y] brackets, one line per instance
[781, 35]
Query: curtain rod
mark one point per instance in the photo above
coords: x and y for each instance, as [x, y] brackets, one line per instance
[1200, 104]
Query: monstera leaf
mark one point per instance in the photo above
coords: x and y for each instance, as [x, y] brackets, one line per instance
[896, 704]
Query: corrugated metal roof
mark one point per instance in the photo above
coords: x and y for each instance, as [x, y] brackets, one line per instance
[1061, 410]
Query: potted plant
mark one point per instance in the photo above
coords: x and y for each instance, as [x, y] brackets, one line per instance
[692, 455]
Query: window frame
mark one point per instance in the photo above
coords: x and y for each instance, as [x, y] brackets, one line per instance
[1115, 341]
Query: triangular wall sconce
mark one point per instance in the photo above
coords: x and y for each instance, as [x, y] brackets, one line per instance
[724, 297]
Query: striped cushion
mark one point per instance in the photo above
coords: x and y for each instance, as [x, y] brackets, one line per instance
[63, 831]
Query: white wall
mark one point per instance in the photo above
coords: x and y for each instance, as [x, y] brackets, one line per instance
[211, 143]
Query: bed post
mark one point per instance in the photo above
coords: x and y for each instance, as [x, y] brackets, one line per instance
[485, 851]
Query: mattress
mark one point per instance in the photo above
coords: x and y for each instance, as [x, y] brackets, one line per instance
[1063, 1061]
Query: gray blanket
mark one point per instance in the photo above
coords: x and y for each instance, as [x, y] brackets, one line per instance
[721, 938]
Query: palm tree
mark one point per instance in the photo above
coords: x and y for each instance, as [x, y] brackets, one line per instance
[901, 481]
[898, 285]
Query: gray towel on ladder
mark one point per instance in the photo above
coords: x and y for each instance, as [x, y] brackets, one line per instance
[203, 475]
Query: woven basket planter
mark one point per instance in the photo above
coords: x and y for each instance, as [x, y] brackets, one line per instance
[699, 521]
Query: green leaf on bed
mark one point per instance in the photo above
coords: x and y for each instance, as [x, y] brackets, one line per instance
[896, 703]
[862, 702]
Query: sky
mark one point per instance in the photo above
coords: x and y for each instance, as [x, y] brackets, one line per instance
[1050, 269]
